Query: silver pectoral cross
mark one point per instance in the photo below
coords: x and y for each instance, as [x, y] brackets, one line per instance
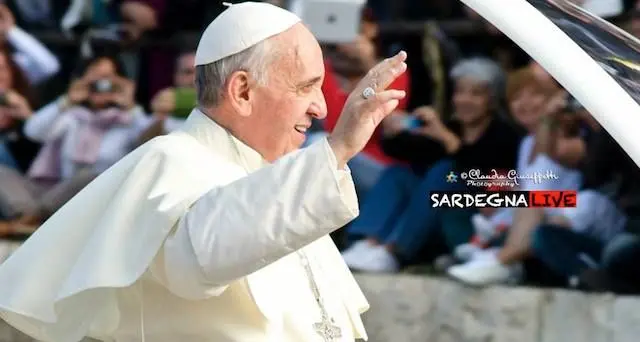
[329, 331]
[326, 328]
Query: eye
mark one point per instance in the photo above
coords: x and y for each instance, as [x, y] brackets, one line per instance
[307, 88]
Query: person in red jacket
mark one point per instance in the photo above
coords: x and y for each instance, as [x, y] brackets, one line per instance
[344, 66]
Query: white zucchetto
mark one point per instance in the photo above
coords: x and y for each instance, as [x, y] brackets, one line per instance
[240, 27]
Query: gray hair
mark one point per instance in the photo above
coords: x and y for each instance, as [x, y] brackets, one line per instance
[211, 78]
[483, 70]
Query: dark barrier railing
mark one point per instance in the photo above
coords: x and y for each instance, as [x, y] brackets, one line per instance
[453, 28]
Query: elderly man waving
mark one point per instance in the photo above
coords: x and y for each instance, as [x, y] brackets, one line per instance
[218, 231]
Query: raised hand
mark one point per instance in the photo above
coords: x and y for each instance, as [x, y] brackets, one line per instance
[79, 90]
[164, 102]
[368, 104]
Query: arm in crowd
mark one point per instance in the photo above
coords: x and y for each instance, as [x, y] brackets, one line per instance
[413, 148]
[552, 141]
[497, 149]
[38, 63]
[423, 145]
[49, 122]
[144, 127]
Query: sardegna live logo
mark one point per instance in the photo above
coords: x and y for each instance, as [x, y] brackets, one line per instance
[504, 199]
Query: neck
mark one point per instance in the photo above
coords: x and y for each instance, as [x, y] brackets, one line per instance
[231, 124]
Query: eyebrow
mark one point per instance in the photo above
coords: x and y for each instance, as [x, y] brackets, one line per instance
[314, 80]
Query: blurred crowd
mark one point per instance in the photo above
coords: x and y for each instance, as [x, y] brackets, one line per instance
[475, 102]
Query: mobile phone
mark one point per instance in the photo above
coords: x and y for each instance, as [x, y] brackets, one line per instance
[411, 122]
[186, 100]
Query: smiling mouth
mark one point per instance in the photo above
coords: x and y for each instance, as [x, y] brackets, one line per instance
[301, 129]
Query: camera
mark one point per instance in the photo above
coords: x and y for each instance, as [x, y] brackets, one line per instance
[103, 86]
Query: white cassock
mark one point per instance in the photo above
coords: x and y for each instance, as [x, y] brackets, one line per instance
[177, 242]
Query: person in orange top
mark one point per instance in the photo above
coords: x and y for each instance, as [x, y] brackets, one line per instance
[344, 66]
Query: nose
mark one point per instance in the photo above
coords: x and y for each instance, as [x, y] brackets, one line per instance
[318, 107]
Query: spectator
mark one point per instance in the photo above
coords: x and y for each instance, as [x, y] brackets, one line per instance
[595, 215]
[530, 96]
[610, 177]
[396, 219]
[171, 106]
[16, 103]
[618, 257]
[161, 18]
[84, 133]
[35, 60]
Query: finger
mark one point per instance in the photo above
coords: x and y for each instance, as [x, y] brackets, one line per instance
[388, 95]
[385, 72]
[390, 106]
[381, 98]
[421, 113]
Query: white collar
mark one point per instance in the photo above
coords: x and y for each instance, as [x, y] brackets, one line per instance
[217, 138]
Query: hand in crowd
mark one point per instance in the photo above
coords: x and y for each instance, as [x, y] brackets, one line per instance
[163, 103]
[556, 104]
[17, 106]
[434, 128]
[7, 21]
[124, 96]
[139, 17]
[361, 116]
[432, 124]
[79, 89]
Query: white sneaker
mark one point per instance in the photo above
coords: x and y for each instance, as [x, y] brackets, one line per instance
[485, 270]
[378, 259]
[482, 227]
[356, 252]
[466, 251]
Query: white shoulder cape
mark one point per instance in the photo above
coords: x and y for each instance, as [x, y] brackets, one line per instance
[64, 278]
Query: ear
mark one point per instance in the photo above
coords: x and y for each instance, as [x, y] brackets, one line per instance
[239, 91]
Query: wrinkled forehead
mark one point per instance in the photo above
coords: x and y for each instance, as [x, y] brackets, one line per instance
[299, 55]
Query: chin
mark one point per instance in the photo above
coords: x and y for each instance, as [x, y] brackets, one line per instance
[298, 140]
